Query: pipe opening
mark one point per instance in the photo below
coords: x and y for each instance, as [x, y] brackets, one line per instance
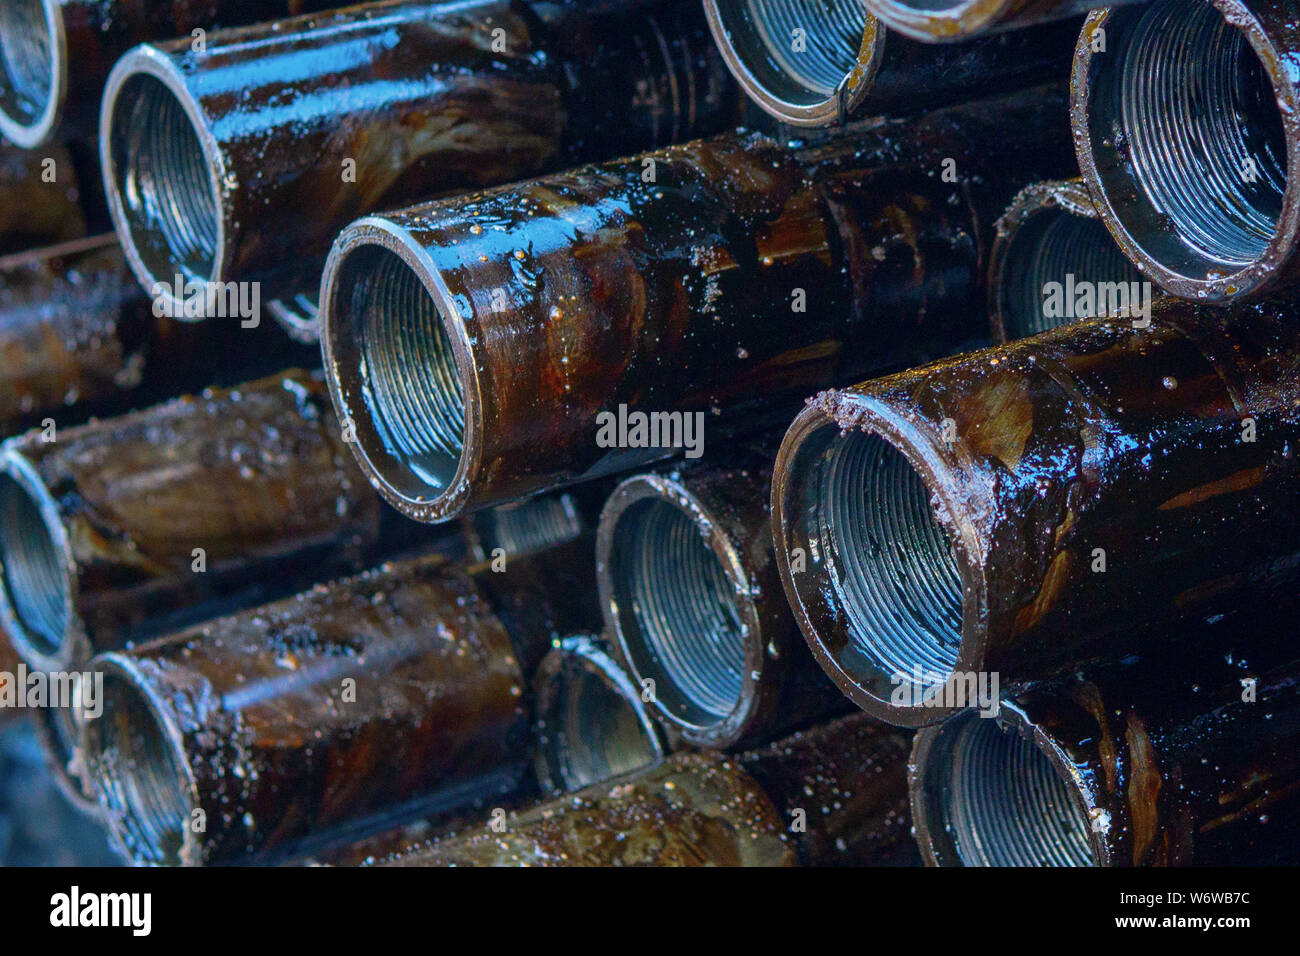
[678, 613]
[894, 577]
[32, 570]
[529, 526]
[1188, 138]
[163, 182]
[593, 733]
[139, 776]
[796, 52]
[1002, 802]
[27, 62]
[1045, 248]
[409, 383]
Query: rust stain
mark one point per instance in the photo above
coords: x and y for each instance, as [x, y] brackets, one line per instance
[1240, 481]
[1054, 584]
[1143, 788]
[1000, 419]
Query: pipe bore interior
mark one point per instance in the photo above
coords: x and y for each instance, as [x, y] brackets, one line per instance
[678, 613]
[27, 62]
[163, 182]
[1045, 248]
[593, 732]
[408, 396]
[892, 574]
[139, 775]
[1187, 137]
[33, 573]
[1002, 802]
[797, 52]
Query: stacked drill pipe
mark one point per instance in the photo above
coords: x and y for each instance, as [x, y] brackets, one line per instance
[1168, 760]
[78, 336]
[243, 162]
[962, 20]
[1050, 233]
[815, 64]
[1186, 119]
[486, 348]
[399, 691]
[592, 720]
[832, 795]
[39, 199]
[1011, 513]
[692, 600]
[57, 54]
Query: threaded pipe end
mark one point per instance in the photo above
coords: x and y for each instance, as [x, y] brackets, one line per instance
[30, 54]
[33, 568]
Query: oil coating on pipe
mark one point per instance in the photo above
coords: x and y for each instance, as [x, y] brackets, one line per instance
[39, 199]
[962, 20]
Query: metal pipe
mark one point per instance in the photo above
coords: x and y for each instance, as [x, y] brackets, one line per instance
[55, 55]
[1013, 512]
[693, 603]
[814, 64]
[1050, 233]
[524, 527]
[39, 198]
[120, 527]
[377, 106]
[833, 795]
[331, 713]
[1187, 128]
[1175, 760]
[592, 724]
[954, 21]
[479, 346]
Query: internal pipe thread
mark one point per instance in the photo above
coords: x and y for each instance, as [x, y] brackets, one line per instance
[1005, 804]
[26, 64]
[831, 34]
[596, 733]
[892, 567]
[531, 525]
[1051, 245]
[1203, 132]
[34, 578]
[686, 626]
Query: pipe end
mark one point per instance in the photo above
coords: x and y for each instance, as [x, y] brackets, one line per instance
[33, 71]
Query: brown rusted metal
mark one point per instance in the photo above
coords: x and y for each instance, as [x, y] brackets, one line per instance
[1050, 233]
[833, 795]
[1186, 117]
[440, 97]
[39, 199]
[1178, 759]
[1022, 509]
[962, 20]
[592, 722]
[814, 64]
[476, 344]
[99, 528]
[55, 55]
[398, 691]
[693, 603]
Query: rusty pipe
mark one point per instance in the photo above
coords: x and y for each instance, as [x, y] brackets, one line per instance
[483, 348]
[1019, 510]
[1050, 233]
[376, 106]
[395, 692]
[815, 64]
[693, 603]
[592, 723]
[832, 795]
[963, 20]
[1186, 122]
[39, 199]
[55, 55]
[1170, 760]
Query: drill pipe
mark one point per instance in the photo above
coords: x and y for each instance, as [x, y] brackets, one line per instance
[328, 713]
[1022, 509]
[1187, 127]
[57, 54]
[1174, 760]
[592, 723]
[693, 603]
[814, 64]
[476, 345]
[77, 331]
[524, 527]
[33, 210]
[963, 20]
[1050, 231]
[98, 529]
[832, 795]
[386, 104]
